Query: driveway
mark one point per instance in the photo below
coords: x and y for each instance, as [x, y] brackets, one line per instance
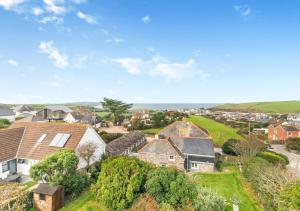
[294, 159]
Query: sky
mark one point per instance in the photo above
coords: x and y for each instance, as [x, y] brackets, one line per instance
[149, 51]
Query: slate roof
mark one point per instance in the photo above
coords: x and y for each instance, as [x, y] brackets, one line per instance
[290, 128]
[159, 146]
[59, 108]
[194, 146]
[183, 129]
[9, 142]
[119, 145]
[30, 149]
[45, 188]
[5, 111]
[22, 108]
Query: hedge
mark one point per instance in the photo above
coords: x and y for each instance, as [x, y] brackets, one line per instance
[273, 157]
[293, 144]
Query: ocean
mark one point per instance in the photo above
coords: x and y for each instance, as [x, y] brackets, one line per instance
[172, 106]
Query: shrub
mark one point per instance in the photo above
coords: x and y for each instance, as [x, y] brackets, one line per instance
[228, 146]
[208, 200]
[293, 144]
[290, 197]
[76, 183]
[120, 181]
[170, 186]
[108, 137]
[274, 158]
[4, 123]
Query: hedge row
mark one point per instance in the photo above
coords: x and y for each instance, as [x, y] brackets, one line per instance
[273, 157]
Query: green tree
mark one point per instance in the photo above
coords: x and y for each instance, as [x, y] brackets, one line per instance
[60, 169]
[117, 108]
[170, 186]
[229, 146]
[120, 181]
[208, 200]
[159, 119]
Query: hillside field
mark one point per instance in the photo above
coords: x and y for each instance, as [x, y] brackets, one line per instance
[219, 132]
[268, 107]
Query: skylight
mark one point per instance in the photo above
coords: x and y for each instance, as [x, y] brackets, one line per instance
[42, 138]
[60, 140]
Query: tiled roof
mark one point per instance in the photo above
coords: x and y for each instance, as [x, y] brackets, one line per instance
[9, 142]
[183, 129]
[159, 146]
[5, 111]
[194, 146]
[122, 143]
[59, 108]
[30, 149]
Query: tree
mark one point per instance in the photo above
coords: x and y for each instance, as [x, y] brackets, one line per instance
[170, 186]
[86, 151]
[120, 181]
[229, 146]
[116, 107]
[60, 169]
[159, 119]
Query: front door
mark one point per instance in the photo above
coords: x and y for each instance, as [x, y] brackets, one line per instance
[12, 165]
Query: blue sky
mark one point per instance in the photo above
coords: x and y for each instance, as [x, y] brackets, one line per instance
[149, 50]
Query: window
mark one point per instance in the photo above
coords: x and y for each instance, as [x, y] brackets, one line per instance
[41, 139]
[4, 166]
[194, 166]
[163, 165]
[22, 161]
[42, 197]
[289, 133]
[59, 140]
[172, 157]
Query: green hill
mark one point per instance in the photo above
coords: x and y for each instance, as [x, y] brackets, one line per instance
[268, 107]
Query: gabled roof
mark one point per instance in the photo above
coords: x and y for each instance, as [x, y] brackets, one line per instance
[22, 108]
[183, 129]
[119, 145]
[160, 146]
[9, 142]
[59, 108]
[5, 111]
[290, 128]
[30, 149]
[47, 189]
[194, 146]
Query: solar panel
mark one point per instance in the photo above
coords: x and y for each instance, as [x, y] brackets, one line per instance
[59, 140]
[41, 139]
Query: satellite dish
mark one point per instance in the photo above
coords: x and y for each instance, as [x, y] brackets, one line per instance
[45, 178]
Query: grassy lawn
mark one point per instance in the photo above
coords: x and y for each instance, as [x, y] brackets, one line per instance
[152, 131]
[86, 202]
[102, 114]
[269, 107]
[219, 132]
[229, 184]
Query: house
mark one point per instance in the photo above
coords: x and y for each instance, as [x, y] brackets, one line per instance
[261, 131]
[85, 118]
[26, 143]
[53, 112]
[7, 113]
[281, 133]
[293, 117]
[126, 144]
[23, 110]
[182, 145]
[141, 115]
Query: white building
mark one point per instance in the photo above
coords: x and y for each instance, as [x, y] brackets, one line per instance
[25, 144]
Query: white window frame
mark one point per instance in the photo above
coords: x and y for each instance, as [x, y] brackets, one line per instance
[172, 157]
[5, 163]
[194, 165]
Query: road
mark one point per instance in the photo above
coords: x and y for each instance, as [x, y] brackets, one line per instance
[294, 159]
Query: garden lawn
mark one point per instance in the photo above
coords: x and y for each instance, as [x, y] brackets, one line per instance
[229, 184]
[219, 132]
[152, 131]
[85, 202]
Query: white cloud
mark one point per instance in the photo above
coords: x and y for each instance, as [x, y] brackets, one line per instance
[37, 11]
[55, 6]
[10, 4]
[115, 40]
[60, 60]
[161, 67]
[132, 65]
[146, 19]
[89, 19]
[12, 62]
[51, 19]
[110, 92]
[80, 61]
[54, 84]
[79, 1]
[243, 10]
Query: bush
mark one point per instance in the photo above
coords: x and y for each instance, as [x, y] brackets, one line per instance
[170, 186]
[120, 181]
[208, 200]
[293, 144]
[274, 158]
[290, 197]
[228, 146]
[75, 184]
[108, 137]
[4, 123]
